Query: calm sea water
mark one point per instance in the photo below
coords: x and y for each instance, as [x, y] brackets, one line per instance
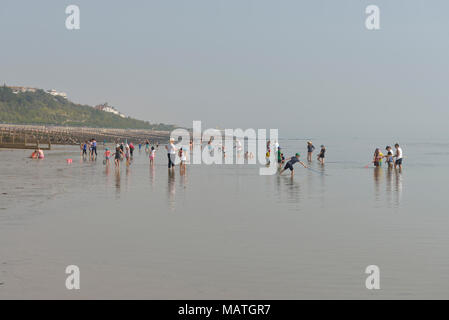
[225, 231]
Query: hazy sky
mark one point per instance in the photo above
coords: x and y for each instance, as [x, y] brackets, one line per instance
[309, 68]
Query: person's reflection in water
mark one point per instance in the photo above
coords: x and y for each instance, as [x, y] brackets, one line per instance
[288, 187]
[107, 170]
[398, 187]
[171, 189]
[377, 182]
[183, 180]
[128, 177]
[117, 181]
[152, 176]
[389, 186]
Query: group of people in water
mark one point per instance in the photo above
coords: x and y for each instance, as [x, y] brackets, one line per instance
[392, 158]
[296, 158]
[37, 154]
[125, 151]
[90, 146]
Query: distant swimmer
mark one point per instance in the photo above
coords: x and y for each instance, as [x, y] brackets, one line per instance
[310, 149]
[291, 162]
[398, 155]
[322, 154]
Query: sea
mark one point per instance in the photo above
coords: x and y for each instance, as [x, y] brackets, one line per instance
[225, 231]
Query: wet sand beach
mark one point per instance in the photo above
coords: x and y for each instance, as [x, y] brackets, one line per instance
[225, 232]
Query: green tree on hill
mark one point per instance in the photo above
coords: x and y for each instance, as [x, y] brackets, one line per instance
[41, 108]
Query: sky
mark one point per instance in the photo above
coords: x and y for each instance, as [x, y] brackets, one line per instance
[308, 68]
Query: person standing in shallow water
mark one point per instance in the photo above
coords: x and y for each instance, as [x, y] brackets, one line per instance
[398, 155]
[171, 154]
[152, 155]
[94, 149]
[310, 149]
[321, 154]
[117, 155]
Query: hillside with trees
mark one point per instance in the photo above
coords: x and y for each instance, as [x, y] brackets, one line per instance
[42, 108]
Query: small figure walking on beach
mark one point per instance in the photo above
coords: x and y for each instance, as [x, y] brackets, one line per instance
[291, 162]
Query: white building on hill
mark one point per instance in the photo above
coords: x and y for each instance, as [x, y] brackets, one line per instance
[107, 108]
[55, 93]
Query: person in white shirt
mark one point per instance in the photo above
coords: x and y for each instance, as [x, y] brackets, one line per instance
[183, 156]
[171, 154]
[398, 156]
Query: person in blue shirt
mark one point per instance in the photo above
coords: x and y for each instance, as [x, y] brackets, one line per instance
[291, 162]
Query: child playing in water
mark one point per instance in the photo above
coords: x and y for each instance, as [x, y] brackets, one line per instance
[321, 154]
[389, 157]
[291, 162]
[35, 154]
[183, 156]
[377, 158]
[152, 155]
[107, 155]
[84, 149]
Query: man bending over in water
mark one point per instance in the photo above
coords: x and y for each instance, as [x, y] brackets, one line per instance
[291, 162]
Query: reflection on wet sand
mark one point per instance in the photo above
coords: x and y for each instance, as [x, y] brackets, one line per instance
[378, 177]
[171, 189]
[393, 186]
[287, 186]
[117, 181]
[152, 176]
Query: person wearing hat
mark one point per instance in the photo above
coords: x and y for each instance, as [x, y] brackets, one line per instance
[321, 154]
[310, 148]
[171, 154]
[291, 162]
[107, 155]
